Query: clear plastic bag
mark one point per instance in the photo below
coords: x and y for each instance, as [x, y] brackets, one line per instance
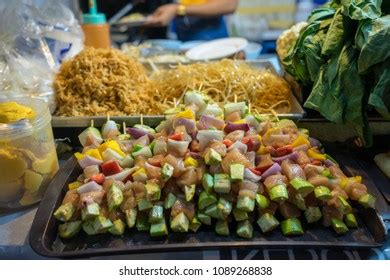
[34, 39]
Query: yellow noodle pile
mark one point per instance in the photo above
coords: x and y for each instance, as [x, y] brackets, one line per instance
[99, 82]
[224, 79]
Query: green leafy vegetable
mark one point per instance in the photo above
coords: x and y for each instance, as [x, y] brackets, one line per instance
[380, 94]
[372, 39]
[337, 34]
[343, 54]
[362, 9]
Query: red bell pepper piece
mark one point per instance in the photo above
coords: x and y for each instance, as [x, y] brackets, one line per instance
[262, 169]
[156, 160]
[227, 142]
[177, 137]
[245, 140]
[252, 144]
[255, 171]
[110, 167]
[283, 151]
[316, 162]
[98, 178]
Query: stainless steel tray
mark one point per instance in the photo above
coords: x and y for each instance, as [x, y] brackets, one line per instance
[297, 112]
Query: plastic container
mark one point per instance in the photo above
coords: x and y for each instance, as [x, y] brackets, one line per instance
[28, 158]
[252, 51]
[165, 44]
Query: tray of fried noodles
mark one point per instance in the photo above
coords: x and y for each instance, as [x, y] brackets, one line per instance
[98, 82]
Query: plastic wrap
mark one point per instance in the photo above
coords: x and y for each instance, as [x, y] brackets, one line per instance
[34, 39]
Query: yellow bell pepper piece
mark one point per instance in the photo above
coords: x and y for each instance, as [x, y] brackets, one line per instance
[74, 185]
[186, 114]
[272, 130]
[140, 175]
[262, 150]
[94, 153]
[240, 121]
[315, 155]
[79, 156]
[112, 145]
[301, 140]
[347, 181]
[190, 161]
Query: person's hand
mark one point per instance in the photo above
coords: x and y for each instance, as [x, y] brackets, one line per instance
[163, 15]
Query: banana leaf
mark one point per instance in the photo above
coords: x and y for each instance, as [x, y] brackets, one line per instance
[362, 9]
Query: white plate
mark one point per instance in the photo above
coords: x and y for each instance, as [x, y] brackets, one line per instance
[217, 49]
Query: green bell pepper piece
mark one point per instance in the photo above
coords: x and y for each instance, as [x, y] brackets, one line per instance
[69, 229]
[144, 204]
[267, 222]
[212, 157]
[212, 211]
[195, 224]
[350, 220]
[153, 191]
[156, 215]
[206, 199]
[65, 212]
[88, 227]
[118, 228]
[189, 192]
[208, 182]
[245, 203]
[291, 227]
[204, 219]
[224, 208]
[322, 193]
[222, 183]
[245, 229]
[90, 211]
[158, 229]
[101, 224]
[222, 228]
[169, 201]
[142, 223]
[345, 207]
[240, 215]
[114, 197]
[237, 172]
[302, 186]
[262, 201]
[167, 172]
[338, 226]
[368, 201]
[180, 223]
[313, 214]
[278, 193]
[131, 217]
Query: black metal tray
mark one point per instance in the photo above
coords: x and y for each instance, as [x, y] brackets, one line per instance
[44, 239]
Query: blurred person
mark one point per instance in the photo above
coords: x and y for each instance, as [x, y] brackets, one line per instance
[146, 7]
[195, 19]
